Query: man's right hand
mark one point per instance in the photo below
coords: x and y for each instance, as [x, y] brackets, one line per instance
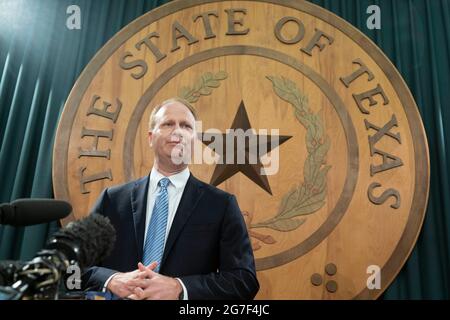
[118, 283]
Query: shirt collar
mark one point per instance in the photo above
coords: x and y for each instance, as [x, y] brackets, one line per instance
[178, 180]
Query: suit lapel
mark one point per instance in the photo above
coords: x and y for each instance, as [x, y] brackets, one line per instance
[191, 195]
[139, 208]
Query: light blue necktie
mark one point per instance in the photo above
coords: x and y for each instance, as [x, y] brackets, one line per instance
[156, 232]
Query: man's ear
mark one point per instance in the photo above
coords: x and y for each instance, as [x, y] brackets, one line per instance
[150, 138]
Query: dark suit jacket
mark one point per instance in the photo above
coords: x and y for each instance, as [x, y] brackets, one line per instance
[208, 247]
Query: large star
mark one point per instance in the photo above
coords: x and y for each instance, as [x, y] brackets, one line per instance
[253, 145]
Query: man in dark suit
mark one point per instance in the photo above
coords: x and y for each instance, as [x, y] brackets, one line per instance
[190, 236]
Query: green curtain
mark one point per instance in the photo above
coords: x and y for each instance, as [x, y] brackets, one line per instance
[40, 59]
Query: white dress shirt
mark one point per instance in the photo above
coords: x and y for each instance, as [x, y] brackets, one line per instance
[175, 190]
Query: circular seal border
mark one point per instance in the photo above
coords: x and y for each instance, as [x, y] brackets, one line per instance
[417, 130]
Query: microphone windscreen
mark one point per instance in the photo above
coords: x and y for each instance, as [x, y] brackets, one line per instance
[93, 235]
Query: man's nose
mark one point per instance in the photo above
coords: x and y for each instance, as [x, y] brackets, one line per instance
[177, 130]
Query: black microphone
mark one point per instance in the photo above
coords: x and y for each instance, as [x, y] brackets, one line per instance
[26, 212]
[8, 269]
[84, 243]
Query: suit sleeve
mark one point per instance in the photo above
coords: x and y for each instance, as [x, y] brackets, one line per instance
[95, 277]
[236, 277]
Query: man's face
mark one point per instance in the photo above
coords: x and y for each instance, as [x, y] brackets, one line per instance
[174, 133]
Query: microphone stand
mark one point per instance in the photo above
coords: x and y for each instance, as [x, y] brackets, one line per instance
[38, 279]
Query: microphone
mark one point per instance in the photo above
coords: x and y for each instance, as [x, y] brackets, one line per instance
[26, 212]
[8, 269]
[85, 243]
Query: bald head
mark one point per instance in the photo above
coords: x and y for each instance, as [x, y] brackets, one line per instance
[167, 104]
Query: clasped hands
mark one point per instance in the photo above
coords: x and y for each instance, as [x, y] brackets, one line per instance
[145, 284]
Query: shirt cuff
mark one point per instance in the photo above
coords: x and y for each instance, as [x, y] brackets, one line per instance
[107, 281]
[185, 293]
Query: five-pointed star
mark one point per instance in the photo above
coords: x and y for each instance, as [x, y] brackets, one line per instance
[223, 170]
